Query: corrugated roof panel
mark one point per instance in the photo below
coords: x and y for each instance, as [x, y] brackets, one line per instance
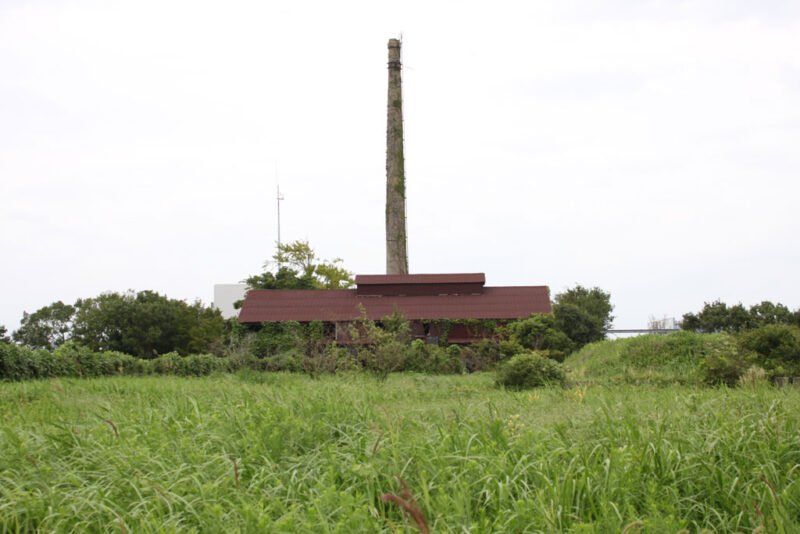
[343, 305]
[451, 278]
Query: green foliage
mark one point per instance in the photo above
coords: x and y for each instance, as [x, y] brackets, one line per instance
[285, 278]
[674, 358]
[539, 332]
[766, 313]
[258, 452]
[297, 266]
[329, 359]
[3, 337]
[325, 274]
[529, 370]
[488, 352]
[721, 368]
[777, 347]
[583, 314]
[719, 317]
[422, 357]
[679, 352]
[145, 324]
[47, 327]
[381, 350]
[594, 301]
[192, 365]
[274, 338]
[19, 363]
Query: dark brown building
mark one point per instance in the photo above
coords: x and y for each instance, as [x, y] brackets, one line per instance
[423, 299]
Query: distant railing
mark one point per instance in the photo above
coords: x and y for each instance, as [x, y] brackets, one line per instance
[643, 331]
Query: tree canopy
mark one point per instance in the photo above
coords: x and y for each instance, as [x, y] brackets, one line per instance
[296, 265]
[145, 324]
[46, 328]
[719, 317]
[583, 314]
[142, 324]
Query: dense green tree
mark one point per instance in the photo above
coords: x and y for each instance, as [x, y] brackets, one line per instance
[145, 324]
[47, 327]
[583, 314]
[766, 313]
[719, 317]
[3, 337]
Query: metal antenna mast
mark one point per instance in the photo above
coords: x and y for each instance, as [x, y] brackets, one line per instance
[279, 198]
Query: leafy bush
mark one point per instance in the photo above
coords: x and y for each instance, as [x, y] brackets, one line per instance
[274, 338]
[530, 370]
[418, 356]
[290, 361]
[487, 353]
[381, 350]
[540, 332]
[23, 363]
[777, 347]
[451, 361]
[721, 368]
[329, 359]
[76, 360]
[425, 358]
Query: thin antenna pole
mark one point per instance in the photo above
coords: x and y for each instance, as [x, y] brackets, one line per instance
[278, 198]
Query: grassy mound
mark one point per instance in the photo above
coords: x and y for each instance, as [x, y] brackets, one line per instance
[653, 359]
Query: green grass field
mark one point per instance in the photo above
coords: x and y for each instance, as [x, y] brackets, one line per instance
[285, 453]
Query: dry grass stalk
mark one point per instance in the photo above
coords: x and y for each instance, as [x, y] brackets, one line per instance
[160, 490]
[754, 376]
[758, 510]
[409, 504]
[633, 526]
[110, 422]
[377, 442]
[771, 488]
[236, 473]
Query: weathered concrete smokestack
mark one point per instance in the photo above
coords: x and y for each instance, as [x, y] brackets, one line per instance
[396, 247]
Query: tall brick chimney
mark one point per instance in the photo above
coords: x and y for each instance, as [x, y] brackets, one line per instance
[396, 245]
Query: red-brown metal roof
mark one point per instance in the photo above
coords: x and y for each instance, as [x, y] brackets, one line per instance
[343, 304]
[385, 279]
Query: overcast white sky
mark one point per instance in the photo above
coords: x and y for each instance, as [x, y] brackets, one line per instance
[648, 148]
